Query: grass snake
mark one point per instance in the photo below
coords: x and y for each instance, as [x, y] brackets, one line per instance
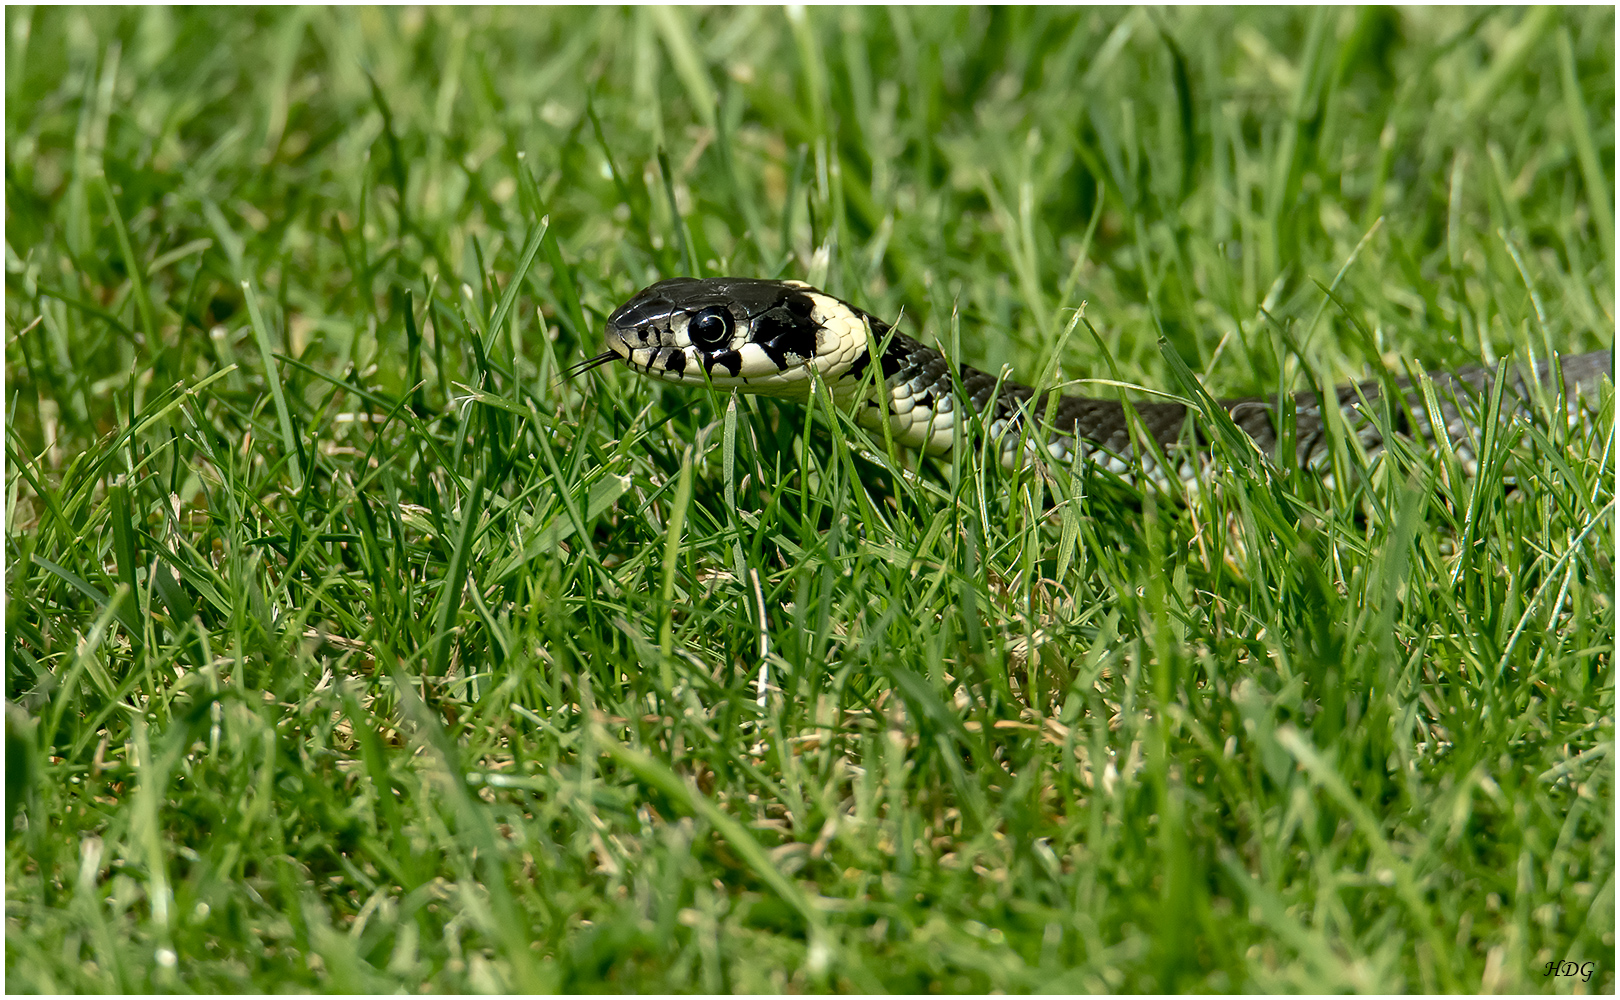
[775, 338]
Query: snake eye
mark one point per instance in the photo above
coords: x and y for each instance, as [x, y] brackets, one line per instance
[710, 329]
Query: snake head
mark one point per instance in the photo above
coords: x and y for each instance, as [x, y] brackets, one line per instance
[756, 335]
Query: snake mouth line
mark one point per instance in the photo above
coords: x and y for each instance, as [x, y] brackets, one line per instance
[609, 356]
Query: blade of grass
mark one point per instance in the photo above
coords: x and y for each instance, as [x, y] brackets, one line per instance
[272, 375]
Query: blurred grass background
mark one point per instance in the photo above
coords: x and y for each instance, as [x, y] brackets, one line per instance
[348, 649]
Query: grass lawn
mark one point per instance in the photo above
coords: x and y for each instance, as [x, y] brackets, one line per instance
[350, 648]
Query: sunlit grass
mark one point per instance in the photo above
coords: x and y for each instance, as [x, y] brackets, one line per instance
[351, 648]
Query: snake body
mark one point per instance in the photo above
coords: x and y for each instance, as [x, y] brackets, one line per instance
[776, 337]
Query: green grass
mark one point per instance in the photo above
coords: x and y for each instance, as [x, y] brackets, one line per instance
[348, 649]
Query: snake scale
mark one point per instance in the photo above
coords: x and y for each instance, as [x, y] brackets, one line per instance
[774, 337]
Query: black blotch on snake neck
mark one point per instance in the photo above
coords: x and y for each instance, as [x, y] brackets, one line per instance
[786, 329]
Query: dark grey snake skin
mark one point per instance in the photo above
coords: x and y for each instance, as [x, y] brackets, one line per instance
[1101, 424]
